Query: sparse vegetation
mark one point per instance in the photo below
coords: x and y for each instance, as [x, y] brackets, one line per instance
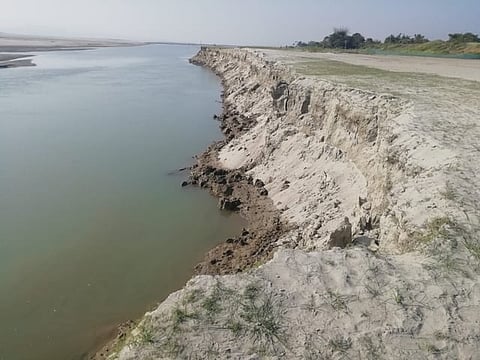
[181, 315]
[263, 320]
[211, 304]
[397, 296]
[236, 327]
[434, 229]
[336, 301]
[340, 344]
[145, 335]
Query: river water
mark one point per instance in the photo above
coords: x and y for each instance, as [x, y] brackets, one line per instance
[93, 228]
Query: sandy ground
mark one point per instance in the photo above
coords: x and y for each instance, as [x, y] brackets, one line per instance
[21, 43]
[10, 60]
[378, 171]
[457, 68]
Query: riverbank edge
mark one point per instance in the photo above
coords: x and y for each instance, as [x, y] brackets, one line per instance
[308, 291]
[236, 192]
[12, 61]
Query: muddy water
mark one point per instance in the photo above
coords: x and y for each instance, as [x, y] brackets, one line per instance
[93, 229]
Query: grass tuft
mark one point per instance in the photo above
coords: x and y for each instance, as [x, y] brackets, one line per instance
[434, 229]
[340, 345]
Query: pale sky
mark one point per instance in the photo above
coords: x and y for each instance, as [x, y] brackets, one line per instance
[245, 22]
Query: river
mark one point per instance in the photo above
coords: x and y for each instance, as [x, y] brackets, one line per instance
[94, 230]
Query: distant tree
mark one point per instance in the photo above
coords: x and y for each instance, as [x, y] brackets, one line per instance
[300, 44]
[371, 42]
[314, 43]
[405, 39]
[357, 41]
[463, 38]
[392, 39]
[419, 39]
[338, 39]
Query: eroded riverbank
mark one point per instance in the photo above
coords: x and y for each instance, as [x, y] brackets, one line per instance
[381, 259]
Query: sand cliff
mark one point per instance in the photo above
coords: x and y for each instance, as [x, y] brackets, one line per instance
[381, 258]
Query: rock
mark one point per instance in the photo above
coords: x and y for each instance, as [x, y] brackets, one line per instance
[222, 180]
[229, 204]
[368, 242]
[236, 177]
[259, 183]
[185, 183]
[228, 191]
[208, 170]
[342, 236]
[220, 172]
[263, 192]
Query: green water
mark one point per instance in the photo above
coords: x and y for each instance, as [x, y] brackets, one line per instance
[93, 229]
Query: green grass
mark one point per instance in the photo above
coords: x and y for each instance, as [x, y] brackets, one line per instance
[251, 292]
[180, 316]
[145, 336]
[432, 48]
[398, 297]
[434, 229]
[236, 327]
[263, 320]
[437, 48]
[323, 67]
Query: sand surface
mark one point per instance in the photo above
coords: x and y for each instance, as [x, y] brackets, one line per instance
[14, 44]
[21, 43]
[457, 68]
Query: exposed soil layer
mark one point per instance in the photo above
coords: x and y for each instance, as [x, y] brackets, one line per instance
[240, 192]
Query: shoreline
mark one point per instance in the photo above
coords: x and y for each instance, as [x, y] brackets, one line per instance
[13, 61]
[236, 192]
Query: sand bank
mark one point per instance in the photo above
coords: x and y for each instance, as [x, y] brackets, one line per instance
[22, 43]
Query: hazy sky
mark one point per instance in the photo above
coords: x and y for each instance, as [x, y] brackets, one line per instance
[263, 22]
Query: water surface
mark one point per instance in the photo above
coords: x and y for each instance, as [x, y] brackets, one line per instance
[93, 230]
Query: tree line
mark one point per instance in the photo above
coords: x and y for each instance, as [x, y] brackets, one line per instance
[341, 39]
